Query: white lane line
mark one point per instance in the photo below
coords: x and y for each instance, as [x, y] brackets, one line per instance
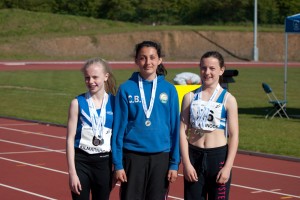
[21, 124]
[244, 168]
[238, 167]
[34, 133]
[267, 172]
[32, 165]
[267, 191]
[255, 192]
[235, 185]
[172, 197]
[32, 146]
[14, 63]
[62, 172]
[24, 152]
[27, 192]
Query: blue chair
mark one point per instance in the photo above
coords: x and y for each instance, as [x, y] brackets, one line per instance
[278, 106]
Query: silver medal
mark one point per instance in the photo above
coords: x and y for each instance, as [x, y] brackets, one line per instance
[143, 99]
[97, 121]
[96, 141]
[101, 141]
[148, 122]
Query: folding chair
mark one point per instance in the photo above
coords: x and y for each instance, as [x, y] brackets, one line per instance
[278, 105]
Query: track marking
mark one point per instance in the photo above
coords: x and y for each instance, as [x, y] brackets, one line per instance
[24, 152]
[27, 192]
[244, 168]
[255, 192]
[235, 185]
[286, 196]
[172, 197]
[267, 191]
[21, 124]
[14, 63]
[267, 172]
[62, 172]
[34, 133]
[38, 164]
[238, 167]
[17, 143]
[32, 165]
[272, 63]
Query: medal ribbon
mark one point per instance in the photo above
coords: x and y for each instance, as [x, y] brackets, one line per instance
[204, 115]
[147, 111]
[98, 121]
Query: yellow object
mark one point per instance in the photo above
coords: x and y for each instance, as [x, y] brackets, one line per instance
[183, 89]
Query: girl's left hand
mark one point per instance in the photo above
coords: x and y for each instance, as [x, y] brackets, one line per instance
[223, 175]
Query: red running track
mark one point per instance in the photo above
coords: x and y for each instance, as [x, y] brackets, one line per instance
[76, 65]
[33, 166]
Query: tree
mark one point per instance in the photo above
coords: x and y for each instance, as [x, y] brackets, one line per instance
[194, 12]
[268, 12]
[122, 10]
[287, 8]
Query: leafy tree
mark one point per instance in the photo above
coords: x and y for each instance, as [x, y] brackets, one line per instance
[219, 12]
[32, 5]
[79, 7]
[122, 10]
[157, 12]
[187, 11]
[166, 11]
[287, 8]
[268, 12]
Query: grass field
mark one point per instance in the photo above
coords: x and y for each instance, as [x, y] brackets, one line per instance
[45, 96]
[25, 35]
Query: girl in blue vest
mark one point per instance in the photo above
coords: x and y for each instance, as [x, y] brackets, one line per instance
[208, 134]
[145, 141]
[89, 133]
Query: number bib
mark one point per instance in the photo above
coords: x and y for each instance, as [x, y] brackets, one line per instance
[214, 115]
[92, 145]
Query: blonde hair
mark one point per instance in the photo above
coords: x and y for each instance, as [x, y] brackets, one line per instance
[110, 84]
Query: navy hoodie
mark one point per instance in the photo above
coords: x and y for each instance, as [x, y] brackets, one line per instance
[129, 129]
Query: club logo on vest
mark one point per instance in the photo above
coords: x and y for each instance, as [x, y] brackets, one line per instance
[163, 97]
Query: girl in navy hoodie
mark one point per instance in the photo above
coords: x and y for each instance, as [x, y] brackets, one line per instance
[145, 141]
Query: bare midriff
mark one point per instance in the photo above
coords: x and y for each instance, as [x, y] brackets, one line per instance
[207, 139]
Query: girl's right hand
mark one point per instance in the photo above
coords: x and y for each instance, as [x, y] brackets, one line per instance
[121, 175]
[190, 173]
[74, 184]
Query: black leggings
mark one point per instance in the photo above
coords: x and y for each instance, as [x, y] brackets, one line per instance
[207, 163]
[95, 175]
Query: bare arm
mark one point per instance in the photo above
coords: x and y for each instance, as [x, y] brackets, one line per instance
[189, 171]
[233, 140]
[74, 182]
